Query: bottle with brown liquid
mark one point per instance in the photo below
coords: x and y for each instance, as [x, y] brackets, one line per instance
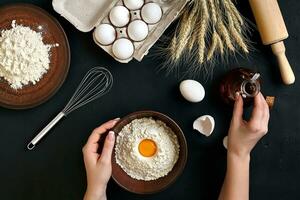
[244, 81]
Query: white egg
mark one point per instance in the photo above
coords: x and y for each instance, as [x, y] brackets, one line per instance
[105, 34]
[134, 4]
[205, 125]
[192, 91]
[151, 13]
[123, 48]
[119, 16]
[137, 30]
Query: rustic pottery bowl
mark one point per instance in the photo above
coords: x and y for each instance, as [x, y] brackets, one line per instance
[150, 187]
[38, 20]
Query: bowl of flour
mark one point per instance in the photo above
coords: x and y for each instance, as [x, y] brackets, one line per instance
[34, 56]
[150, 152]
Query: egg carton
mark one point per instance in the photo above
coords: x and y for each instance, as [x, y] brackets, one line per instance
[125, 29]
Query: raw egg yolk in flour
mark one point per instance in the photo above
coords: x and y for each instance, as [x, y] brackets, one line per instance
[147, 148]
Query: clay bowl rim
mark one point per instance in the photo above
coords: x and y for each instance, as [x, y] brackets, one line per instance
[183, 154]
[68, 55]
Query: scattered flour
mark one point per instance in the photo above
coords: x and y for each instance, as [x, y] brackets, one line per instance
[24, 58]
[146, 168]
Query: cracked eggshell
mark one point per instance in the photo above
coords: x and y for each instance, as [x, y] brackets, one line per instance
[205, 125]
[225, 142]
[192, 90]
[119, 16]
[133, 4]
[151, 13]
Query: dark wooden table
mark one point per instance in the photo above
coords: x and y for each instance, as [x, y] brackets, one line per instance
[55, 170]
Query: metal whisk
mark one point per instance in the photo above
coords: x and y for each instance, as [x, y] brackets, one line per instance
[96, 83]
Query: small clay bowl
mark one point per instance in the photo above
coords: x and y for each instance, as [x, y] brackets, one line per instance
[41, 21]
[150, 187]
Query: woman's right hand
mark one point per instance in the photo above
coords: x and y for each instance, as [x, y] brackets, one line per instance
[98, 166]
[243, 135]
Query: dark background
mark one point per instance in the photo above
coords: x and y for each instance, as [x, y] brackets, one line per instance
[55, 170]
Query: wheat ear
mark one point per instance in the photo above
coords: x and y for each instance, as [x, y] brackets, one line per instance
[213, 46]
[235, 33]
[192, 41]
[225, 35]
[235, 16]
[232, 15]
[235, 12]
[185, 32]
[173, 47]
[216, 42]
[212, 8]
[238, 38]
[203, 29]
[193, 36]
[222, 30]
[220, 43]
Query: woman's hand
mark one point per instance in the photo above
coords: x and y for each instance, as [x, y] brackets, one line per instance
[98, 167]
[243, 135]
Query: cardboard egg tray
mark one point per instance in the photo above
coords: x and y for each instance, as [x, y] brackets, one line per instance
[85, 15]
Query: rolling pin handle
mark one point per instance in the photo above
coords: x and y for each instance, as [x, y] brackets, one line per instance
[286, 71]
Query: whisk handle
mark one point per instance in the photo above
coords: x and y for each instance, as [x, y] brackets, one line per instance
[43, 132]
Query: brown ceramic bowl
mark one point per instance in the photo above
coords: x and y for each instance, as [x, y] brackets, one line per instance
[150, 187]
[33, 17]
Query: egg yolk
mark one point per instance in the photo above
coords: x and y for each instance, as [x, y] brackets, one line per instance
[147, 148]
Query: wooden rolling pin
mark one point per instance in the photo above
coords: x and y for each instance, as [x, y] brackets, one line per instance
[273, 31]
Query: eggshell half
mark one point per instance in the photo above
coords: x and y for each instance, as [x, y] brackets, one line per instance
[205, 125]
[225, 142]
[192, 90]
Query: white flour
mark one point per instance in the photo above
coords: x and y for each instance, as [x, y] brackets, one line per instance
[146, 168]
[24, 58]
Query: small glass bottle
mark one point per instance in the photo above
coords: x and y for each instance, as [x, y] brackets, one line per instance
[243, 81]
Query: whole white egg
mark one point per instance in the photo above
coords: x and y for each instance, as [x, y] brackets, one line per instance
[134, 4]
[151, 13]
[105, 34]
[192, 90]
[123, 48]
[119, 16]
[137, 30]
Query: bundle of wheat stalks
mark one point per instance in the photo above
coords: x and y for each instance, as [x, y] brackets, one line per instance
[208, 28]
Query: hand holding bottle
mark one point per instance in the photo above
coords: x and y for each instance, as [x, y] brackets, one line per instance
[243, 135]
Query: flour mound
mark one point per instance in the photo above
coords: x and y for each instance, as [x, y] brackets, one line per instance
[24, 58]
[146, 168]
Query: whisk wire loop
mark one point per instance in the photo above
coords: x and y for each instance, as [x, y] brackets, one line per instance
[96, 83]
